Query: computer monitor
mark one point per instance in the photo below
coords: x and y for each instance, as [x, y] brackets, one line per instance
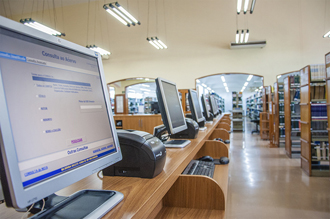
[206, 109]
[155, 107]
[196, 111]
[214, 106]
[171, 110]
[56, 122]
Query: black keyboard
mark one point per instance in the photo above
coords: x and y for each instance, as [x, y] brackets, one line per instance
[198, 167]
[176, 141]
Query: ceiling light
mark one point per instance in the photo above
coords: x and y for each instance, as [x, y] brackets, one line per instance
[279, 76]
[225, 84]
[116, 10]
[131, 91]
[237, 36]
[99, 50]
[213, 91]
[246, 36]
[34, 24]
[147, 79]
[245, 84]
[223, 78]
[198, 81]
[327, 34]
[157, 43]
[209, 88]
[249, 78]
[145, 92]
[242, 36]
[145, 85]
[252, 6]
[256, 90]
[144, 89]
[239, 6]
[246, 5]
[260, 87]
[152, 43]
[204, 85]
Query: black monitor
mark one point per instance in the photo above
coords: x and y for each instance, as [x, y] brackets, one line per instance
[214, 106]
[56, 121]
[206, 109]
[155, 107]
[196, 111]
[171, 111]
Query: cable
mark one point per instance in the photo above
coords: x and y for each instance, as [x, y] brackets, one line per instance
[98, 174]
[27, 212]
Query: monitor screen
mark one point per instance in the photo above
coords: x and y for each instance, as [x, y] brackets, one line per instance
[206, 106]
[213, 104]
[195, 107]
[56, 121]
[170, 106]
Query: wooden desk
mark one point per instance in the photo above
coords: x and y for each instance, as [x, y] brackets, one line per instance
[141, 122]
[150, 198]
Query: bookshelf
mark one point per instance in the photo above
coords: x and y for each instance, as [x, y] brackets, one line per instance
[183, 95]
[292, 114]
[327, 69]
[271, 123]
[220, 102]
[237, 111]
[313, 122]
[276, 116]
[264, 118]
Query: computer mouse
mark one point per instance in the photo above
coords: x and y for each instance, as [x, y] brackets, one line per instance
[218, 139]
[206, 158]
[224, 160]
[226, 141]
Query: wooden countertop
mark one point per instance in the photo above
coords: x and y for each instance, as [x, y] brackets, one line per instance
[141, 196]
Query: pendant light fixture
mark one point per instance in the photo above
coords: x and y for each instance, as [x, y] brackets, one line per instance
[117, 11]
[157, 43]
[242, 36]
[99, 50]
[246, 6]
[36, 25]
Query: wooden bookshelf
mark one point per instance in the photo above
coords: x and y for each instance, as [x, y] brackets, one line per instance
[264, 126]
[271, 123]
[183, 94]
[276, 116]
[237, 112]
[313, 142]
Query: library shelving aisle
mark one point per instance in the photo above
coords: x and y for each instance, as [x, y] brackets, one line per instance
[237, 112]
[314, 134]
[292, 115]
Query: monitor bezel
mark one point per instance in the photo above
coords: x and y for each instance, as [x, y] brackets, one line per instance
[194, 105]
[15, 195]
[163, 107]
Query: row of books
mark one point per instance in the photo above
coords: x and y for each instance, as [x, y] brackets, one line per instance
[318, 72]
[282, 132]
[319, 110]
[295, 95]
[281, 107]
[295, 124]
[281, 119]
[319, 125]
[319, 134]
[318, 91]
[320, 151]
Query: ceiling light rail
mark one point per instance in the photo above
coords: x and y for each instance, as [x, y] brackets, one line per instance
[36, 25]
[117, 11]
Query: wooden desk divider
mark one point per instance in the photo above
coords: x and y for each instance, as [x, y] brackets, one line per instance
[264, 126]
[224, 126]
[220, 133]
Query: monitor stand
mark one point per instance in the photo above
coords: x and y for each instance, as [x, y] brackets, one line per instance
[82, 204]
[176, 143]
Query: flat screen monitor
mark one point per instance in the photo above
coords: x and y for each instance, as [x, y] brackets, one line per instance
[196, 111]
[170, 106]
[56, 122]
[206, 107]
[213, 104]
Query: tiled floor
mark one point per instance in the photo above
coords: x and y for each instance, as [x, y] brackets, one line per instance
[265, 183]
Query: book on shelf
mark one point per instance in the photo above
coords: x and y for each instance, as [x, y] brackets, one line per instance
[318, 72]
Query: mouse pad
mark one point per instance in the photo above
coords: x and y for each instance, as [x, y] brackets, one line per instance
[217, 162]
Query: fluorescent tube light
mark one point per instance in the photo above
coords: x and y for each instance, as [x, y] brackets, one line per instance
[161, 43]
[326, 35]
[279, 76]
[116, 10]
[237, 36]
[242, 36]
[208, 88]
[246, 36]
[144, 89]
[152, 43]
[198, 81]
[239, 6]
[157, 44]
[99, 50]
[256, 90]
[213, 91]
[246, 5]
[147, 79]
[223, 78]
[249, 78]
[34, 24]
[204, 85]
[260, 87]
[225, 84]
[245, 84]
[145, 85]
[252, 6]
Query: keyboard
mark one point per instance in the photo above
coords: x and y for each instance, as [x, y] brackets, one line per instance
[176, 143]
[198, 167]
